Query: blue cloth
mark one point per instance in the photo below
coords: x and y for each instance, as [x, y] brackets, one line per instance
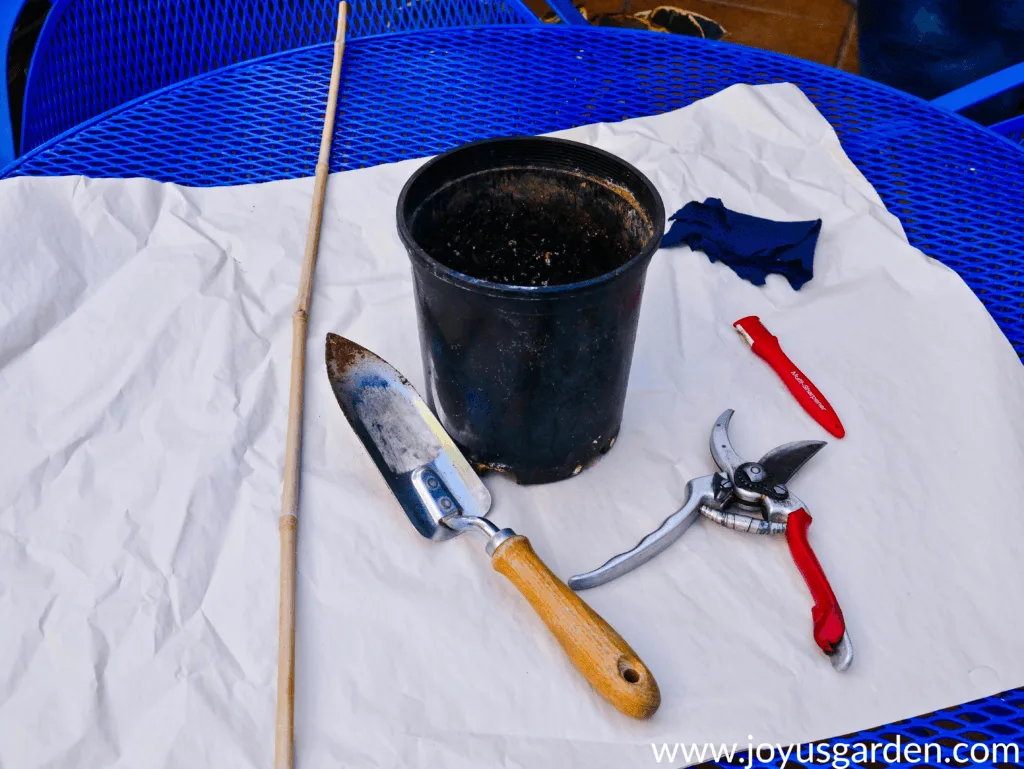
[751, 246]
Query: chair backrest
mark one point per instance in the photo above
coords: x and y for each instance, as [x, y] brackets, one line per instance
[93, 55]
[8, 15]
[983, 89]
[1011, 129]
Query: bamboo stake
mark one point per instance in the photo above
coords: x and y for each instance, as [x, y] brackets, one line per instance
[285, 732]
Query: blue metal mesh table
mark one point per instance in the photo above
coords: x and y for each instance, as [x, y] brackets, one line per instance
[93, 55]
[957, 188]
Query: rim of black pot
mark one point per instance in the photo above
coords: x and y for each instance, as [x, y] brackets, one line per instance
[416, 252]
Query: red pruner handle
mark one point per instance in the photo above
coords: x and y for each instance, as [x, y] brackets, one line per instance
[829, 625]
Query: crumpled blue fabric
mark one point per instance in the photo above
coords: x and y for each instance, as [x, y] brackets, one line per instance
[751, 246]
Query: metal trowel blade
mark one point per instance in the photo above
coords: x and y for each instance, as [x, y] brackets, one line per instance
[424, 469]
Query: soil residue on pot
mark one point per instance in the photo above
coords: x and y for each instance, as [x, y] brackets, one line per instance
[531, 227]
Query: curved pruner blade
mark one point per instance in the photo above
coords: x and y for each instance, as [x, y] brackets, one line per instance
[782, 462]
[721, 446]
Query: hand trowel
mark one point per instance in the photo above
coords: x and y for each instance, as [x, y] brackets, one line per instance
[443, 497]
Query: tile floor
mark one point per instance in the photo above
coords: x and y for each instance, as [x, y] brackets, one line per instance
[820, 30]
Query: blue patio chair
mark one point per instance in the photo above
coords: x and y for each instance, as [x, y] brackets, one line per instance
[93, 55]
[8, 15]
[986, 88]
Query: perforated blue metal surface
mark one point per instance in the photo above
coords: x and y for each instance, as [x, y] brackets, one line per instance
[957, 188]
[93, 55]
[1013, 129]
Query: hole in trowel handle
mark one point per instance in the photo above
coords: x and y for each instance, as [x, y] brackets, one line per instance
[627, 672]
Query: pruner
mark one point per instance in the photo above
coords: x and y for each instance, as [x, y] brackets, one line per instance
[751, 497]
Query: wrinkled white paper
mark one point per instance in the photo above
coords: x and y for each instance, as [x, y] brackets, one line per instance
[145, 341]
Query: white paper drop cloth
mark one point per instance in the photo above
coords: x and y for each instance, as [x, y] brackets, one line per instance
[145, 342]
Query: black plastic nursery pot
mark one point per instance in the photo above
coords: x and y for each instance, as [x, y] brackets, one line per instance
[529, 257]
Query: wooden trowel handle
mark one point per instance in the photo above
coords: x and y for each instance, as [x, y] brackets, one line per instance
[597, 651]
